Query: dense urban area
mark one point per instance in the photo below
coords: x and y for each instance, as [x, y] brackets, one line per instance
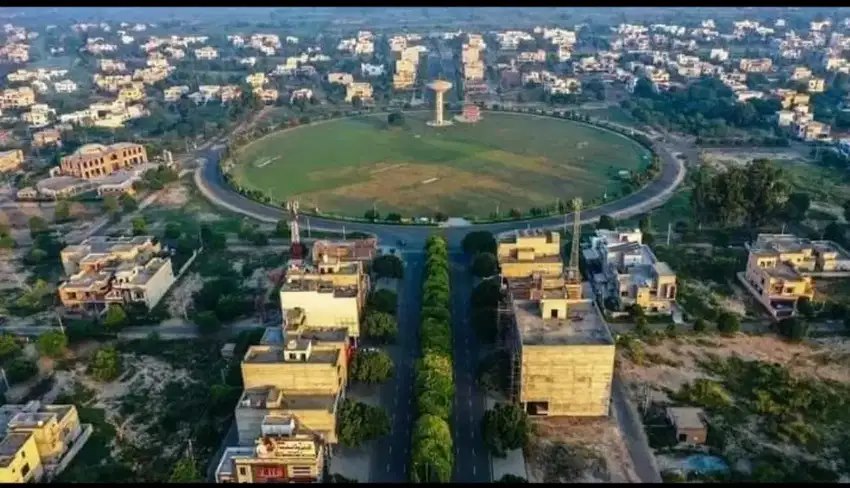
[424, 244]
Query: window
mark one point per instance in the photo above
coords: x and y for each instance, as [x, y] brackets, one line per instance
[25, 470]
[683, 437]
[24, 454]
[554, 313]
[243, 471]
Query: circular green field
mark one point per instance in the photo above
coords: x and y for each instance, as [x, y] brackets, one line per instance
[505, 161]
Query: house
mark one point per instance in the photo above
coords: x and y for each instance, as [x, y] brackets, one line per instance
[17, 97]
[283, 453]
[719, 55]
[630, 272]
[174, 93]
[757, 65]
[94, 160]
[372, 70]
[816, 85]
[103, 270]
[689, 424]
[11, 160]
[301, 94]
[344, 79]
[256, 80]
[132, 93]
[206, 53]
[65, 86]
[47, 137]
[812, 131]
[360, 90]
[39, 115]
[268, 95]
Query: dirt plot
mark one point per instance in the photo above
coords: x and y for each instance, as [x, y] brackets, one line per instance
[579, 450]
[173, 196]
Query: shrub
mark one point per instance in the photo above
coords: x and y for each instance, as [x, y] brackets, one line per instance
[106, 364]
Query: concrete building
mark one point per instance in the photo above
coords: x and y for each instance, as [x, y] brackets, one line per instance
[11, 160]
[689, 423]
[206, 53]
[528, 253]
[38, 439]
[630, 272]
[94, 160]
[361, 90]
[283, 454]
[46, 137]
[65, 86]
[104, 270]
[562, 352]
[17, 97]
[315, 413]
[816, 85]
[174, 93]
[756, 65]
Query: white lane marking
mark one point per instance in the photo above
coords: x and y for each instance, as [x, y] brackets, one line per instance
[473, 452]
[391, 450]
[388, 467]
[473, 470]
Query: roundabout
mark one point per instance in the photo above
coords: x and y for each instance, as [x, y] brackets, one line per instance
[211, 183]
[504, 163]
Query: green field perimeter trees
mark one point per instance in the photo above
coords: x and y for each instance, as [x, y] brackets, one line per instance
[432, 456]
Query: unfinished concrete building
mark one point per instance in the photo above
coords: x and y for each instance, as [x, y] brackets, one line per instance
[562, 354]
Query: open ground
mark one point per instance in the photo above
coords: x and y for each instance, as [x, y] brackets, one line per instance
[506, 160]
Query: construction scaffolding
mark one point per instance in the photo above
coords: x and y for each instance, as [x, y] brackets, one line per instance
[511, 342]
[572, 280]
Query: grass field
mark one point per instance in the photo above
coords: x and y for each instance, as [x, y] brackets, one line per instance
[510, 161]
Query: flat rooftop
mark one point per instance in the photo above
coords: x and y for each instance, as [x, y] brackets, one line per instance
[10, 445]
[553, 258]
[583, 325]
[686, 417]
[274, 354]
[512, 238]
[270, 397]
[779, 243]
[829, 246]
[783, 271]
[319, 286]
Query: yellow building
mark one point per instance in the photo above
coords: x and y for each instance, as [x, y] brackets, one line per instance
[11, 160]
[780, 267]
[563, 353]
[361, 90]
[133, 93]
[47, 137]
[19, 460]
[301, 365]
[17, 97]
[315, 413]
[816, 85]
[756, 65]
[530, 252]
[792, 99]
[282, 455]
[53, 428]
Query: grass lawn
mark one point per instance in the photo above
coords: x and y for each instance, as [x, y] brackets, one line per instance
[824, 184]
[613, 114]
[506, 160]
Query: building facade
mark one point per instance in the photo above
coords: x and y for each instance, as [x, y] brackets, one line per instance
[95, 160]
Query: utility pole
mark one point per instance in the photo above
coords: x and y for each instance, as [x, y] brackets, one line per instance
[308, 226]
[61, 326]
[5, 381]
[343, 232]
[669, 231]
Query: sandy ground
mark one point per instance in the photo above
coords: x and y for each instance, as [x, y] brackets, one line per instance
[173, 196]
[801, 359]
[180, 297]
[599, 435]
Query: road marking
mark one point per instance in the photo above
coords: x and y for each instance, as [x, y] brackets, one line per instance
[391, 449]
[473, 452]
[471, 434]
[405, 469]
[473, 470]
[470, 405]
[388, 467]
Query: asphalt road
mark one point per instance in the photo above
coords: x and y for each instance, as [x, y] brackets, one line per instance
[472, 462]
[391, 459]
[631, 428]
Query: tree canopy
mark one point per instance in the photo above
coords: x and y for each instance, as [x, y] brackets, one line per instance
[754, 194]
[358, 423]
[479, 241]
[371, 366]
[388, 266]
[484, 264]
[105, 365]
[52, 343]
[505, 427]
[380, 326]
[383, 300]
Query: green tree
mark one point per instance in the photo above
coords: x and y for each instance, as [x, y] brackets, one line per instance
[794, 329]
[381, 327]
[371, 367]
[504, 428]
[110, 204]
[62, 211]
[641, 325]
[797, 205]
[9, 347]
[766, 191]
[484, 264]
[805, 307]
[383, 300]
[388, 266]
[128, 203]
[728, 322]
[185, 470]
[139, 226]
[846, 207]
[432, 453]
[282, 228]
[105, 364]
[52, 343]
[172, 230]
[434, 385]
[700, 325]
[479, 241]
[20, 369]
[115, 318]
[207, 322]
[37, 225]
[606, 222]
[372, 215]
[358, 423]
[486, 294]
[484, 322]
[395, 119]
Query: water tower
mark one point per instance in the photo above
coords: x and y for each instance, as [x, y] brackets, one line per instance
[439, 87]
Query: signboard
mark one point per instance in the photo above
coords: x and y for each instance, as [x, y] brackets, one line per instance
[265, 473]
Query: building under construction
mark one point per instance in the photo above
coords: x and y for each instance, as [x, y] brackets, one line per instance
[562, 353]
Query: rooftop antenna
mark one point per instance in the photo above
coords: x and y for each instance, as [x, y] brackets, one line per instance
[573, 280]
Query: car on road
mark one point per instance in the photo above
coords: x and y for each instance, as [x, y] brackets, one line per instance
[401, 243]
